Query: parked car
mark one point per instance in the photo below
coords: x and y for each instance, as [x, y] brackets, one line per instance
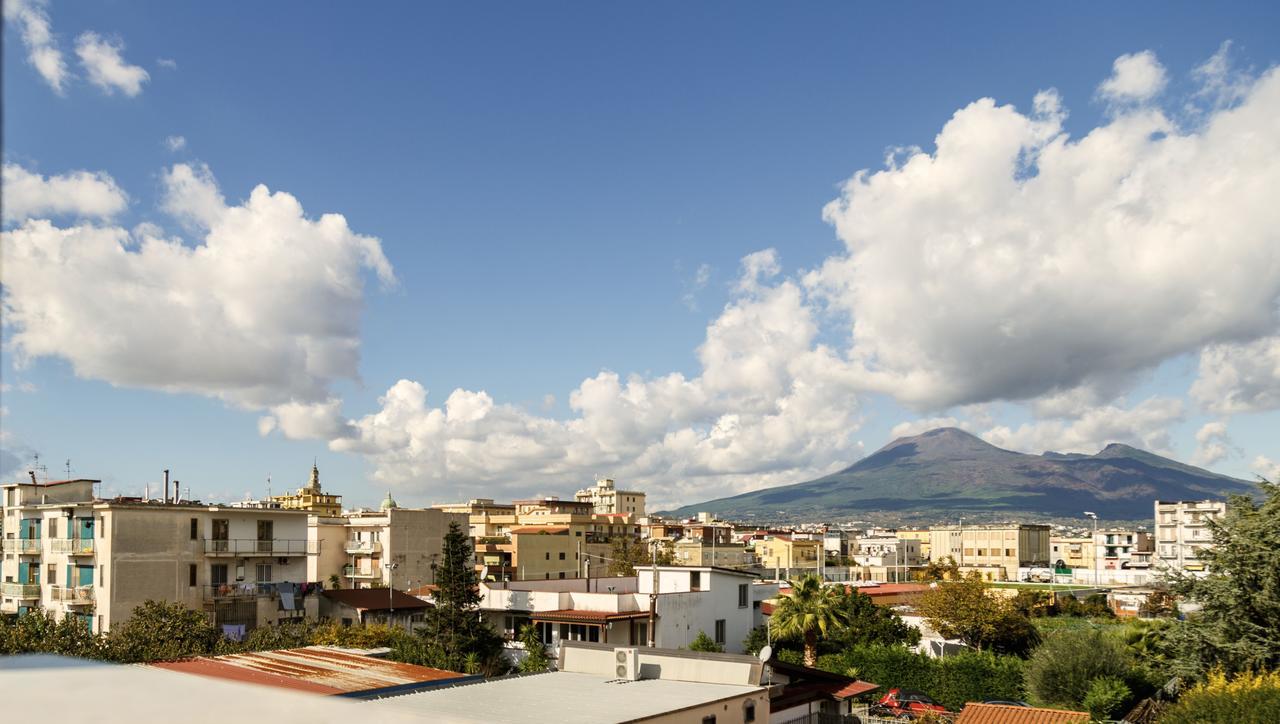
[905, 704]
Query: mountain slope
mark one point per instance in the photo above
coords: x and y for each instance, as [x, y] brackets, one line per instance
[945, 472]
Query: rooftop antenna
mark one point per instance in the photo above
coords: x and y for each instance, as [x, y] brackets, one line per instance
[41, 468]
[68, 468]
[268, 486]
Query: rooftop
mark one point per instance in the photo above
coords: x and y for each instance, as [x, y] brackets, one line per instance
[314, 669]
[375, 599]
[974, 713]
[562, 696]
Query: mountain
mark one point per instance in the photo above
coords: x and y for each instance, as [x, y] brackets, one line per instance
[947, 472]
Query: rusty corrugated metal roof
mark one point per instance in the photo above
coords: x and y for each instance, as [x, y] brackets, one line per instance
[316, 669]
[974, 713]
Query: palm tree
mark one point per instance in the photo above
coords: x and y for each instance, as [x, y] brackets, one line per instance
[812, 610]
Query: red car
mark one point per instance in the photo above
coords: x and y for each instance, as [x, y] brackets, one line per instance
[906, 704]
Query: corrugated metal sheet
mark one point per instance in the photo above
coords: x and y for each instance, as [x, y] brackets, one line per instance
[316, 669]
[974, 713]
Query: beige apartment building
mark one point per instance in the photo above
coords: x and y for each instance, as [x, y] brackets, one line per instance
[921, 536]
[997, 551]
[787, 554]
[545, 538]
[68, 552]
[694, 552]
[312, 499]
[606, 498]
[393, 546]
[1070, 552]
[1182, 532]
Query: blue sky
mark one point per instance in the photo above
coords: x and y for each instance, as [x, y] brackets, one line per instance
[568, 188]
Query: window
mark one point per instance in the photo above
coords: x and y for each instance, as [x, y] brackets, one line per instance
[695, 581]
[548, 555]
[709, 719]
[53, 528]
[720, 631]
[562, 556]
[749, 710]
[53, 572]
[218, 574]
[263, 573]
[1008, 552]
[742, 595]
[221, 529]
[562, 574]
[191, 574]
[195, 528]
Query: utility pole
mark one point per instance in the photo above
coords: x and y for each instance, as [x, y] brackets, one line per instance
[653, 600]
[391, 590]
[1093, 545]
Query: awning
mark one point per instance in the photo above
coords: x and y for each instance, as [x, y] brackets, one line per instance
[596, 617]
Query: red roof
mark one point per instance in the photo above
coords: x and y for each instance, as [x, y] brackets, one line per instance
[314, 669]
[857, 687]
[577, 616]
[890, 589]
[974, 713]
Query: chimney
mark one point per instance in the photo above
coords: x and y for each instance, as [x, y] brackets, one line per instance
[166, 485]
[177, 492]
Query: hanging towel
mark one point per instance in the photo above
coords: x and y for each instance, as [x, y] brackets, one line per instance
[286, 600]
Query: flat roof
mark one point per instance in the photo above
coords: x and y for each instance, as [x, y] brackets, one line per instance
[561, 696]
[314, 669]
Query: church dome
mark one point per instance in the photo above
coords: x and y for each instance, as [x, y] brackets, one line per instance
[389, 503]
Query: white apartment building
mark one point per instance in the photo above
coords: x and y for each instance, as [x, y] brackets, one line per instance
[1182, 531]
[68, 552]
[605, 498]
[723, 604]
[886, 551]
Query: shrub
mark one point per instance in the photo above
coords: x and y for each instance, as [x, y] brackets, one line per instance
[951, 681]
[703, 642]
[1246, 698]
[1106, 697]
[1061, 670]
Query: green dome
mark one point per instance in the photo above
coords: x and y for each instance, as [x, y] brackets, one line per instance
[389, 503]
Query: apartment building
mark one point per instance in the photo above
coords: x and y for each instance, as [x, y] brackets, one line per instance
[724, 604]
[1120, 549]
[694, 552]
[921, 536]
[886, 551]
[393, 546]
[785, 554]
[1182, 532]
[604, 497]
[1066, 553]
[68, 552]
[544, 538]
[998, 551]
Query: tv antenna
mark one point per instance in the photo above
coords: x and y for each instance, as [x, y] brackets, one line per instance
[68, 468]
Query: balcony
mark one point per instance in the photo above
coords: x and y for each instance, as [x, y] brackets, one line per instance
[353, 572]
[249, 547]
[24, 546]
[364, 546]
[72, 595]
[227, 591]
[20, 590]
[73, 546]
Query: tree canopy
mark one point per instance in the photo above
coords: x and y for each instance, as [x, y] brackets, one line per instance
[968, 611]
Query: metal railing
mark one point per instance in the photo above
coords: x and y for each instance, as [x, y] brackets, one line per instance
[364, 546]
[252, 547]
[20, 590]
[354, 572]
[26, 546]
[74, 546]
[72, 594]
[243, 590]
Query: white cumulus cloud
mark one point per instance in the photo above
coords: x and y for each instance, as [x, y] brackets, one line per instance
[1134, 78]
[1014, 261]
[1145, 425]
[82, 194]
[106, 68]
[175, 143]
[1236, 378]
[1212, 443]
[31, 18]
[263, 310]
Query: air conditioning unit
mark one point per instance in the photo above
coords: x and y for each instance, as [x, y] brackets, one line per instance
[627, 664]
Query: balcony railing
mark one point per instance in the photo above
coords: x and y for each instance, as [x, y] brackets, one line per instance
[20, 590]
[364, 546]
[73, 595]
[25, 546]
[219, 592]
[248, 547]
[354, 572]
[73, 546]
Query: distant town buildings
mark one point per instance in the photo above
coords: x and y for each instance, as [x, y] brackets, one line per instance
[1182, 532]
[312, 499]
[997, 552]
[605, 498]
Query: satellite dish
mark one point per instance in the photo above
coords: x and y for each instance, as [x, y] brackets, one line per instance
[766, 653]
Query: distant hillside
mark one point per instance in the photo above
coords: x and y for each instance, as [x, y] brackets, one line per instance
[947, 472]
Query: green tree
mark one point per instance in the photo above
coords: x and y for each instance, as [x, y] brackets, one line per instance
[334, 582]
[967, 610]
[626, 554]
[161, 631]
[867, 623]
[1106, 697]
[536, 658]
[943, 569]
[757, 638]
[37, 632]
[1237, 627]
[455, 635]
[703, 642]
[289, 635]
[811, 611]
[1064, 667]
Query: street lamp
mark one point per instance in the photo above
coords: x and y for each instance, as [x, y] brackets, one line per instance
[391, 591]
[1093, 543]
